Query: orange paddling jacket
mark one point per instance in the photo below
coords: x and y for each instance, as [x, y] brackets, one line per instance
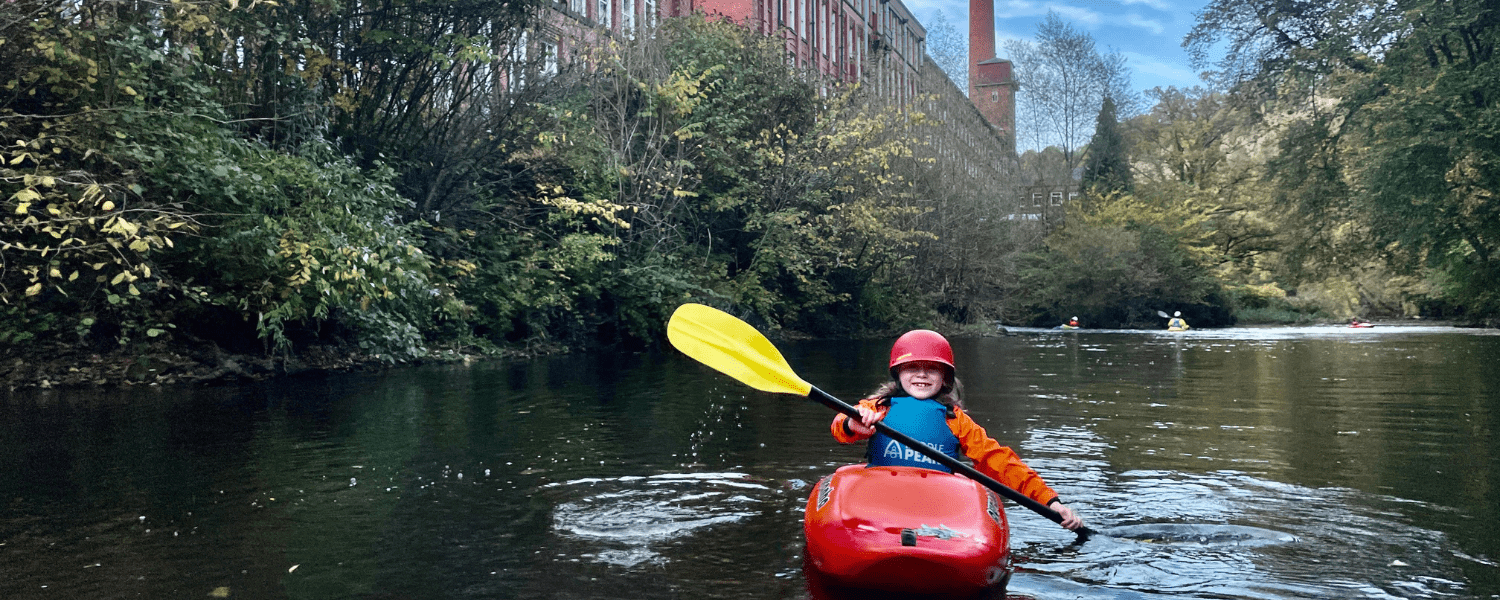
[990, 458]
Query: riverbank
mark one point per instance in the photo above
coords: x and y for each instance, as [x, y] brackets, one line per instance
[61, 366]
[57, 365]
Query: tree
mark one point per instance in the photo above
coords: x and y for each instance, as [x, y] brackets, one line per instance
[1393, 117]
[967, 176]
[1115, 275]
[135, 207]
[1190, 135]
[692, 163]
[949, 49]
[1197, 149]
[275, 175]
[1106, 168]
[1063, 80]
[1270, 41]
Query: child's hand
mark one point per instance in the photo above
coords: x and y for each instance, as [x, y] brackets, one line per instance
[1070, 520]
[865, 424]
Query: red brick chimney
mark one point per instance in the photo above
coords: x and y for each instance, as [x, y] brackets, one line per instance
[981, 34]
[992, 86]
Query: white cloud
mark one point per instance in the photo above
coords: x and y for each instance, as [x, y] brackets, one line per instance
[1081, 15]
[1017, 9]
[1151, 25]
[1160, 5]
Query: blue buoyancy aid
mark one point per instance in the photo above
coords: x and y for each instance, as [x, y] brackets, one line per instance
[925, 421]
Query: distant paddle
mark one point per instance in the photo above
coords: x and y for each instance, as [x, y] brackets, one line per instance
[734, 348]
[1163, 314]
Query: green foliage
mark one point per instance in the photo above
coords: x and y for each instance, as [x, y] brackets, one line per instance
[1264, 203]
[1115, 275]
[321, 242]
[1268, 304]
[1278, 315]
[137, 208]
[1471, 284]
[80, 232]
[721, 174]
[1390, 149]
[1106, 168]
[853, 223]
[525, 287]
[22, 326]
[389, 177]
[1198, 152]
[1425, 159]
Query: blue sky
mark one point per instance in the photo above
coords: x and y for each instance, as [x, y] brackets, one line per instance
[1147, 32]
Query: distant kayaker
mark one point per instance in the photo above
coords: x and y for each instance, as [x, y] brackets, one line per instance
[1073, 322]
[922, 401]
[1176, 323]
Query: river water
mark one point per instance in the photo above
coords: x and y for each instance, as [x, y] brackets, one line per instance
[1373, 452]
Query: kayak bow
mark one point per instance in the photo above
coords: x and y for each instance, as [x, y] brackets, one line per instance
[906, 529]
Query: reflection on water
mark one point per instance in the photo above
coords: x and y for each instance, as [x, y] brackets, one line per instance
[1267, 463]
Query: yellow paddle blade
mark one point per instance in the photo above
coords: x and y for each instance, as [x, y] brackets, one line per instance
[734, 348]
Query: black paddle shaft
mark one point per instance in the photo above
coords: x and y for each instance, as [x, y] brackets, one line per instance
[948, 461]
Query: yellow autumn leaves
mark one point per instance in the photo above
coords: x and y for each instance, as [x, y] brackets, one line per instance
[55, 227]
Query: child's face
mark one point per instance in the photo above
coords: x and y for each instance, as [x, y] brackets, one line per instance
[921, 379]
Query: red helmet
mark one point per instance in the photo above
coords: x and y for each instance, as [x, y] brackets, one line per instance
[921, 344]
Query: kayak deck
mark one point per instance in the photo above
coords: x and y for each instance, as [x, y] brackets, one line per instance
[906, 529]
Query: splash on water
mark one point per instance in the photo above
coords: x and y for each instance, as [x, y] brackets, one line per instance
[625, 519]
[1183, 533]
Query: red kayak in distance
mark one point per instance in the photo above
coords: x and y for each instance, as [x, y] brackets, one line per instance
[1361, 325]
[906, 529]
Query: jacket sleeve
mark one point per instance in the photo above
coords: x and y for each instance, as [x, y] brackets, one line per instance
[998, 461]
[844, 436]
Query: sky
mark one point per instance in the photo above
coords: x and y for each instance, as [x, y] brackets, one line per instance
[1147, 32]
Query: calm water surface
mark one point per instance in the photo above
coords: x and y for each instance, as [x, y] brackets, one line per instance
[649, 476]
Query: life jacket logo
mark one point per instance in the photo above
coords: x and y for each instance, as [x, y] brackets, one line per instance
[899, 451]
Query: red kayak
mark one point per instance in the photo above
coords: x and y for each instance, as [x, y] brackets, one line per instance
[1361, 325]
[906, 529]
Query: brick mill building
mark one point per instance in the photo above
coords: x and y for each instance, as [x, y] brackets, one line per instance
[877, 42]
